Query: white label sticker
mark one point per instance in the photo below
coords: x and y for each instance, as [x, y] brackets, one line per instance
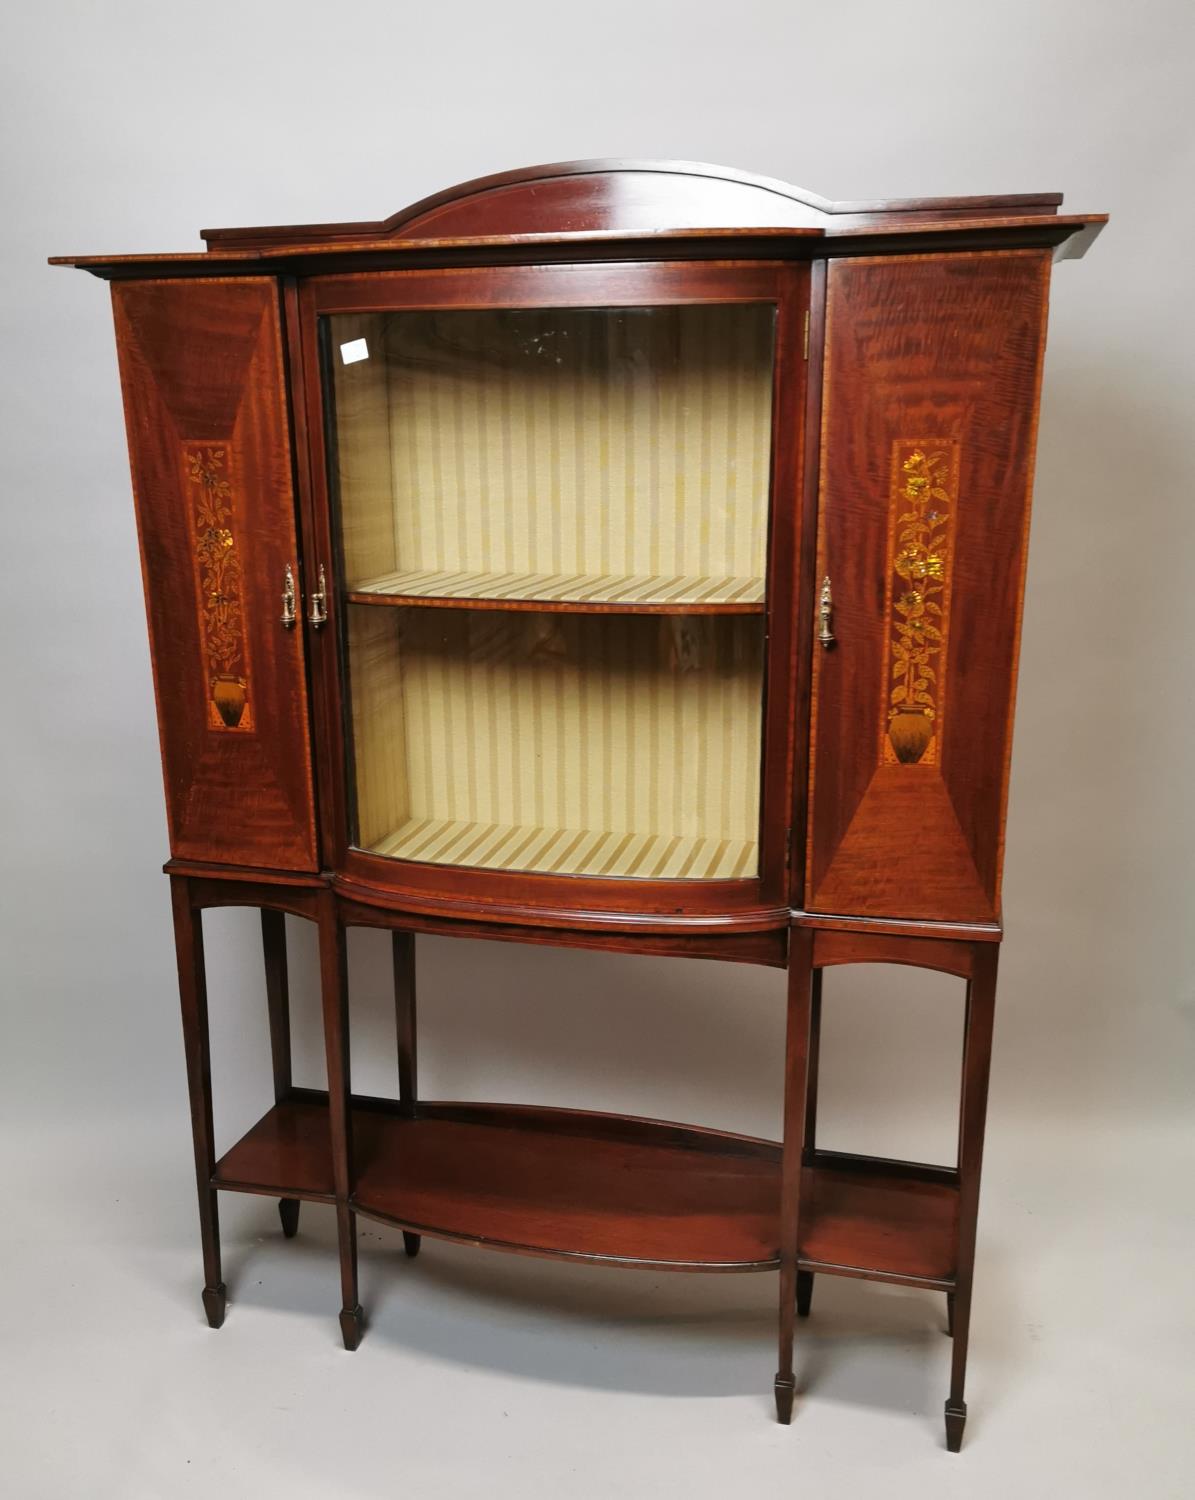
[351, 352]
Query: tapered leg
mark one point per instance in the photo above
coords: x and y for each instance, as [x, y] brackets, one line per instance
[335, 996]
[796, 1089]
[192, 989]
[352, 1319]
[273, 944]
[403, 944]
[815, 1048]
[805, 1278]
[977, 1056]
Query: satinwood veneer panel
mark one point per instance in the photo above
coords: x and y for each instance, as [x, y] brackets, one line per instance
[205, 401]
[932, 366]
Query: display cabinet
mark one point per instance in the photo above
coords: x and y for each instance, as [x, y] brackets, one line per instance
[613, 555]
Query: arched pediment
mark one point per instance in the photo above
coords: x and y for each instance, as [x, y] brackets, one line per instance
[617, 196]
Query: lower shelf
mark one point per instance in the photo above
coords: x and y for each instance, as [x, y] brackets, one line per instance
[884, 1220]
[604, 1188]
[288, 1152]
[556, 1182]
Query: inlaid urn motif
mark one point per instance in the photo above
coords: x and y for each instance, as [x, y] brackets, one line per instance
[220, 583]
[922, 496]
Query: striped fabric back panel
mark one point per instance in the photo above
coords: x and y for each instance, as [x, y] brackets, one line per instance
[555, 441]
[376, 692]
[365, 488]
[549, 724]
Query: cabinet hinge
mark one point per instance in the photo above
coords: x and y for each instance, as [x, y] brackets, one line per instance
[806, 334]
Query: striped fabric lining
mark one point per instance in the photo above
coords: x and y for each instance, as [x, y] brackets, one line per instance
[513, 740]
[570, 851]
[379, 724]
[580, 588]
[562, 455]
[628, 443]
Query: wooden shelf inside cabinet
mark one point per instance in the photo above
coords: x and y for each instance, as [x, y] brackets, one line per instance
[573, 592]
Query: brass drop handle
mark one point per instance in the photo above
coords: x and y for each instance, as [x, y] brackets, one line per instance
[825, 610]
[318, 612]
[288, 598]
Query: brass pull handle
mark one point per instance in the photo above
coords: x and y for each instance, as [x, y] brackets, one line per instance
[318, 613]
[825, 610]
[288, 599]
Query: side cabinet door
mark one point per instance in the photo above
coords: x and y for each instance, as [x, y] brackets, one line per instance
[205, 403]
[932, 375]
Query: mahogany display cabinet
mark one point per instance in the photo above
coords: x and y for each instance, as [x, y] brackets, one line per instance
[616, 555]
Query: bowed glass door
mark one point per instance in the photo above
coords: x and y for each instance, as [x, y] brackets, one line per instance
[553, 533]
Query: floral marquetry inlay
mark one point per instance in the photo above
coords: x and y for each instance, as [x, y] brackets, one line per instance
[922, 499]
[219, 580]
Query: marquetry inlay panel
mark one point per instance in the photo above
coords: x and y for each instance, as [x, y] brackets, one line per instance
[922, 494]
[219, 580]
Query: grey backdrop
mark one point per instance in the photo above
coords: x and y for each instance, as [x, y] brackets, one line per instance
[129, 125]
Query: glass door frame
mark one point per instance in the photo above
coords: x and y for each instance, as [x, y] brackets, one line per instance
[754, 902]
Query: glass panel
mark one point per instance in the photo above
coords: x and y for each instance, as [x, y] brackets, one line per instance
[581, 744]
[608, 454]
[594, 482]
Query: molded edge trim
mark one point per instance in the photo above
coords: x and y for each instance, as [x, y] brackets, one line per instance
[759, 919]
[1072, 234]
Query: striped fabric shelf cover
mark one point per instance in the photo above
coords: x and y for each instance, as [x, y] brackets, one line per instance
[570, 851]
[636, 590]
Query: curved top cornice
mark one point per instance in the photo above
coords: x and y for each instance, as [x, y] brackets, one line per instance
[614, 194]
